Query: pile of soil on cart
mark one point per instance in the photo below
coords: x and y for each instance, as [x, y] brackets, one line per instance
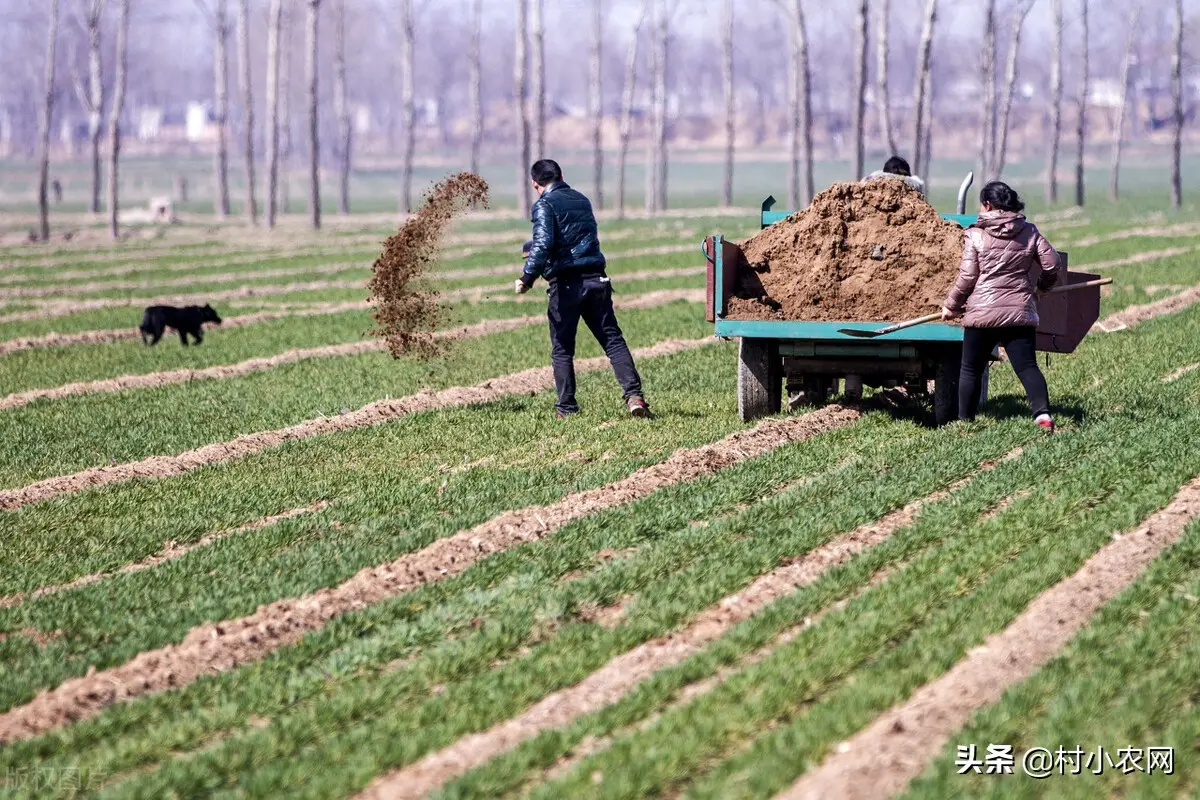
[867, 251]
[406, 313]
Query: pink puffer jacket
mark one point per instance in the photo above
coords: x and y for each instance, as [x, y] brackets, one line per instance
[1005, 261]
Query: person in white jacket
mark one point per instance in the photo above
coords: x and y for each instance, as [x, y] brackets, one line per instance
[897, 167]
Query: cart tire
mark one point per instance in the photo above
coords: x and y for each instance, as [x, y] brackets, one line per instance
[760, 379]
[945, 387]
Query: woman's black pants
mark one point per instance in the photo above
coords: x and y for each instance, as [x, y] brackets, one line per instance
[1019, 343]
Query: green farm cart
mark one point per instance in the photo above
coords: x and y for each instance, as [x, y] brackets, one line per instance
[810, 358]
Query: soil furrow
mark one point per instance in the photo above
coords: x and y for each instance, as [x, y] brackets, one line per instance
[169, 552]
[620, 675]
[1138, 258]
[1182, 230]
[190, 280]
[881, 759]
[218, 647]
[1133, 315]
[1179, 373]
[380, 411]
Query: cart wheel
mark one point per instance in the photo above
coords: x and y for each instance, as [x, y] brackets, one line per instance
[760, 379]
[945, 387]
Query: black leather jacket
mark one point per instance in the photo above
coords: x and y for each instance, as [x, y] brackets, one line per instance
[565, 239]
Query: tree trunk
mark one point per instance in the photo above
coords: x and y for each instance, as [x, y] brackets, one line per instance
[860, 89]
[91, 97]
[285, 112]
[730, 103]
[44, 126]
[920, 84]
[1114, 175]
[408, 102]
[341, 106]
[476, 84]
[274, 33]
[539, 80]
[314, 128]
[925, 159]
[881, 76]
[521, 96]
[247, 88]
[596, 103]
[114, 120]
[799, 138]
[1081, 106]
[1177, 98]
[660, 115]
[1010, 82]
[650, 193]
[1056, 96]
[628, 92]
[805, 91]
[987, 77]
[221, 107]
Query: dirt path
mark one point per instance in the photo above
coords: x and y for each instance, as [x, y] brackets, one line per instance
[219, 647]
[154, 380]
[1179, 373]
[881, 759]
[1138, 258]
[169, 552]
[1133, 315]
[380, 411]
[1180, 231]
[621, 675]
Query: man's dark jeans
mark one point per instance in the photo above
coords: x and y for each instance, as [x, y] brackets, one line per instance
[589, 299]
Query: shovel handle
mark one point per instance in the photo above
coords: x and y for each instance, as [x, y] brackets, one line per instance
[1070, 287]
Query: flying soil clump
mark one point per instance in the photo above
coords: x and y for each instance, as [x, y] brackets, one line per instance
[866, 251]
[406, 314]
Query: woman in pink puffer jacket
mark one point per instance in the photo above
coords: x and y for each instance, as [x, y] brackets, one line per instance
[1005, 262]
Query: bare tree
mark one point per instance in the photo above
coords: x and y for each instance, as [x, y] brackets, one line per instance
[408, 102]
[650, 193]
[274, 33]
[730, 102]
[1056, 97]
[860, 87]
[218, 19]
[247, 88]
[987, 76]
[44, 126]
[1177, 98]
[1114, 175]
[881, 75]
[799, 129]
[539, 79]
[285, 112]
[475, 80]
[925, 158]
[89, 14]
[663, 41]
[114, 119]
[1010, 82]
[314, 127]
[596, 103]
[341, 107]
[628, 91]
[1081, 106]
[521, 92]
[921, 83]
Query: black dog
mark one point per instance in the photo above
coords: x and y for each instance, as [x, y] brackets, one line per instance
[185, 320]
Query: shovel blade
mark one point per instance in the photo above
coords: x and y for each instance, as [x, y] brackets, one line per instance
[863, 334]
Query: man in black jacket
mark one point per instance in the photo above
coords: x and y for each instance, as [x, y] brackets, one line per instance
[565, 250]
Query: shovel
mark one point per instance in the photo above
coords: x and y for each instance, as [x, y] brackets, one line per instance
[933, 317]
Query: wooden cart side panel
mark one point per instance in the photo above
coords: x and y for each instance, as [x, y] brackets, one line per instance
[709, 279]
[731, 258]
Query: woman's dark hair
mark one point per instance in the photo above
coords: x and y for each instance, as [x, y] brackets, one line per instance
[545, 172]
[897, 166]
[1001, 196]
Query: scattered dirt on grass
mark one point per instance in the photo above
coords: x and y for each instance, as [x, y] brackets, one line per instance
[1187, 229]
[169, 552]
[39, 638]
[1133, 315]
[881, 759]
[1179, 373]
[871, 250]
[620, 675]
[219, 647]
[527, 381]
[405, 314]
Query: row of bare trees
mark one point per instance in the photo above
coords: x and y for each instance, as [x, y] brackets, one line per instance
[653, 44]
